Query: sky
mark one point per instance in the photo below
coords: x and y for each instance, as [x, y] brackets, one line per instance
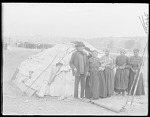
[77, 20]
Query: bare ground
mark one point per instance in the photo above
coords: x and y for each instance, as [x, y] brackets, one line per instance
[17, 103]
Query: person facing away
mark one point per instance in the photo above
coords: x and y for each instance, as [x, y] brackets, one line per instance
[135, 63]
[80, 68]
[122, 73]
[108, 63]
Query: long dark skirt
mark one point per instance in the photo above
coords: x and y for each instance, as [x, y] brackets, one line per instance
[140, 87]
[88, 92]
[94, 74]
[109, 75]
[102, 85]
[121, 79]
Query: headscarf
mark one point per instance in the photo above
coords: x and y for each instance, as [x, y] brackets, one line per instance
[80, 44]
[136, 50]
[106, 50]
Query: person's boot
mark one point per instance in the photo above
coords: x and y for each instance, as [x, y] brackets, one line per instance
[123, 93]
[119, 92]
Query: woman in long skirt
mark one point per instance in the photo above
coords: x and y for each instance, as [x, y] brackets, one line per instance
[88, 92]
[102, 83]
[135, 62]
[108, 63]
[94, 64]
[122, 73]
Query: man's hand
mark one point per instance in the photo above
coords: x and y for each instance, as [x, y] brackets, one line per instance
[134, 70]
[128, 66]
[57, 64]
[75, 70]
[88, 73]
[101, 68]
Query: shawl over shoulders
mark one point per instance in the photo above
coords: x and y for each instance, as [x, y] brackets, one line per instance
[120, 60]
[135, 60]
[91, 59]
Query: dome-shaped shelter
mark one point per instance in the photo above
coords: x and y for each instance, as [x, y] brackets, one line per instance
[48, 72]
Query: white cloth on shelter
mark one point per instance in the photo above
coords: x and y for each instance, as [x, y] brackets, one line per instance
[36, 74]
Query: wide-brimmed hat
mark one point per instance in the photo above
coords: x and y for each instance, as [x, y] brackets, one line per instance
[88, 49]
[106, 50]
[80, 44]
[136, 50]
[94, 51]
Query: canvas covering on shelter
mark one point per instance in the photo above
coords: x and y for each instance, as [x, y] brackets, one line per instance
[41, 74]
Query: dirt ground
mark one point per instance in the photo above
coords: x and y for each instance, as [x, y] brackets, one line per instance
[17, 103]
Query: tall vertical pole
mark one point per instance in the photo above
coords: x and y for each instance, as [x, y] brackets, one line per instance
[144, 26]
[138, 73]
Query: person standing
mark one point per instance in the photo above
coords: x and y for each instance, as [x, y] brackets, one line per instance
[88, 92]
[94, 65]
[108, 63]
[122, 73]
[80, 68]
[102, 82]
[135, 62]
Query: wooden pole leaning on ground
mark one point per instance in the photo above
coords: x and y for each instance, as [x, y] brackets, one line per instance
[42, 72]
[138, 72]
[41, 93]
[110, 108]
[58, 67]
[102, 105]
[142, 61]
[136, 75]
[15, 74]
[50, 79]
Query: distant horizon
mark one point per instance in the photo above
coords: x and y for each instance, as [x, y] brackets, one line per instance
[68, 36]
[55, 40]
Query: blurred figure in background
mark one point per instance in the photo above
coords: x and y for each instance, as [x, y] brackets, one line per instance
[122, 73]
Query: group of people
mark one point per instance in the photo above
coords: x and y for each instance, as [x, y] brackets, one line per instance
[97, 77]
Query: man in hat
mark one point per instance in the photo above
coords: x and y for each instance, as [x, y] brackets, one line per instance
[80, 68]
[135, 63]
[122, 73]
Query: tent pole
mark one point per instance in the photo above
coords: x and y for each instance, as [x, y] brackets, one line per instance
[55, 74]
[144, 27]
[138, 76]
[42, 72]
